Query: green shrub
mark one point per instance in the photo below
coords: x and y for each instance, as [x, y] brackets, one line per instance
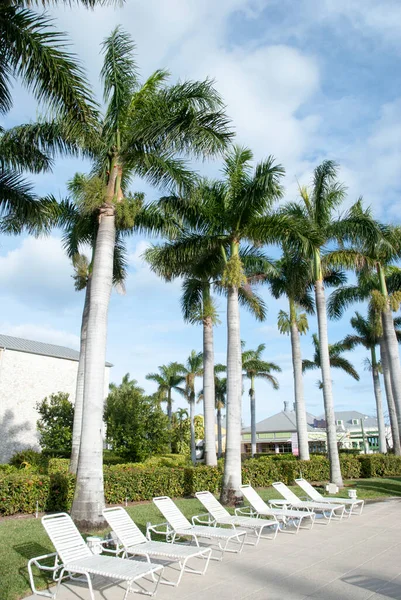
[202, 478]
[58, 465]
[110, 458]
[350, 466]
[6, 469]
[136, 482]
[29, 459]
[380, 465]
[168, 460]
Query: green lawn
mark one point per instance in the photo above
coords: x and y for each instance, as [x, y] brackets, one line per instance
[23, 538]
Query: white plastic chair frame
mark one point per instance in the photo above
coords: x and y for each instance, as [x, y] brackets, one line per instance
[291, 500]
[180, 527]
[286, 517]
[220, 516]
[317, 497]
[134, 543]
[77, 559]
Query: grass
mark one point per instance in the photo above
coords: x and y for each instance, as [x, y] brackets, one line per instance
[22, 538]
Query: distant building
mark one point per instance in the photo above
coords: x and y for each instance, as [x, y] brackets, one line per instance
[30, 371]
[278, 433]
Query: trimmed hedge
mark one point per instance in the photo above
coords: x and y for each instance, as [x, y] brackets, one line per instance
[19, 491]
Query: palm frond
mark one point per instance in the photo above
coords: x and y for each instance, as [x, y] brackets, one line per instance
[37, 54]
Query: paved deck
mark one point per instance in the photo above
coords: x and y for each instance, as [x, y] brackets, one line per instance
[355, 559]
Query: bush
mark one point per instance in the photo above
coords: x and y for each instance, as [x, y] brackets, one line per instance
[29, 459]
[6, 469]
[58, 465]
[21, 489]
[380, 465]
[55, 424]
[110, 458]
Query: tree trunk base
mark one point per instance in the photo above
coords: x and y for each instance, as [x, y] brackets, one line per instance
[85, 516]
[230, 497]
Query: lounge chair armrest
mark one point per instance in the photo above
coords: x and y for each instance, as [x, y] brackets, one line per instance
[203, 519]
[245, 510]
[159, 529]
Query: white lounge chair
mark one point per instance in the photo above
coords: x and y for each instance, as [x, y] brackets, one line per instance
[221, 516]
[76, 558]
[259, 508]
[134, 543]
[352, 503]
[291, 500]
[179, 526]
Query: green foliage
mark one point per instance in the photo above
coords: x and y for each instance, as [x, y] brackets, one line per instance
[29, 459]
[136, 425]
[55, 423]
[233, 274]
[168, 460]
[380, 465]
[181, 434]
[19, 491]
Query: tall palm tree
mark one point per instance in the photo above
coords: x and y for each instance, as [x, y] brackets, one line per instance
[336, 360]
[193, 368]
[378, 254]
[202, 275]
[256, 368]
[316, 215]
[368, 332]
[80, 230]
[168, 380]
[143, 129]
[220, 385]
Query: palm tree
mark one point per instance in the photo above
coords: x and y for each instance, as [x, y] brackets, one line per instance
[336, 360]
[38, 56]
[368, 335]
[316, 218]
[80, 229]
[256, 368]
[222, 215]
[143, 129]
[181, 414]
[220, 385]
[168, 379]
[192, 369]
[377, 253]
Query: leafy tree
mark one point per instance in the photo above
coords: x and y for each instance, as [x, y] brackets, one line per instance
[181, 434]
[55, 424]
[256, 368]
[144, 129]
[136, 425]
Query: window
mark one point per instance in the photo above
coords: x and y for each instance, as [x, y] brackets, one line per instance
[282, 434]
[340, 422]
[263, 436]
[246, 436]
[355, 421]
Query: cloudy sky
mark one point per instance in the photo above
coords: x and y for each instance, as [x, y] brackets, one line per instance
[303, 80]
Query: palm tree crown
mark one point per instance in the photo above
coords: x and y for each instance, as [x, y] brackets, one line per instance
[336, 360]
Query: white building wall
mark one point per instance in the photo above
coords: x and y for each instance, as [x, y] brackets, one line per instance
[26, 379]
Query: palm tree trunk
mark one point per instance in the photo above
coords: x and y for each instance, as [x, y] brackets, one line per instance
[395, 432]
[335, 469]
[219, 436]
[209, 393]
[232, 466]
[79, 394]
[89, 492]
[393, 360]
[169, 416]
[379, 404]
[253, 417]
[192, 427]
[300, 411]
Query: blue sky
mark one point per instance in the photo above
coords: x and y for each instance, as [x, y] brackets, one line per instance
[304, 81]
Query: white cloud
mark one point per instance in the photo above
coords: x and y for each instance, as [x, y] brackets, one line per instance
[38, 273]
[41, 333]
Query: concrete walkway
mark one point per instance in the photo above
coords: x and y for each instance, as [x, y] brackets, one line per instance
[355, 559]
